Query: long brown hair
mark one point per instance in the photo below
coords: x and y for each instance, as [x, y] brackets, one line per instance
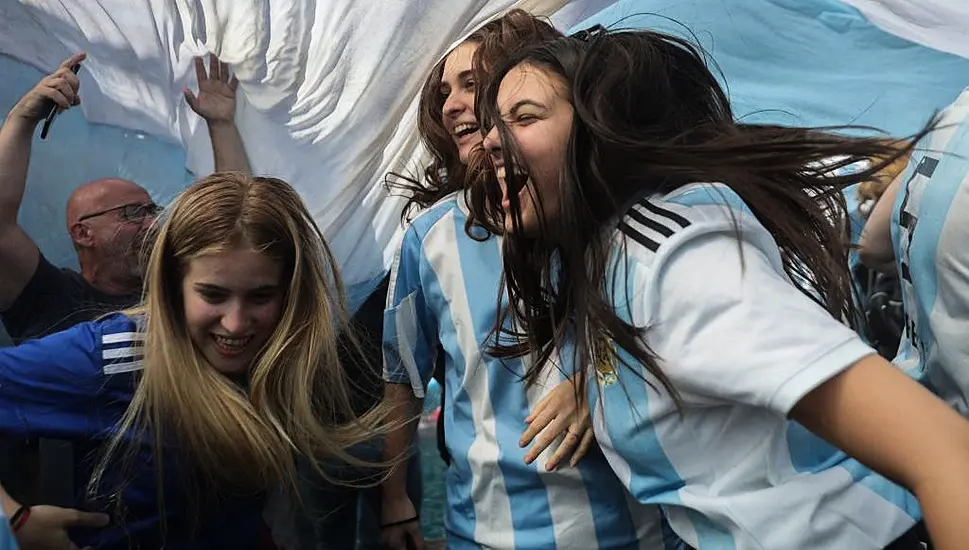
[650, 117]
[446, 173]
[241, 437]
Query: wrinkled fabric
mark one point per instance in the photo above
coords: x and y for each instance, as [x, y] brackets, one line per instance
[327, 99]
[329, 89]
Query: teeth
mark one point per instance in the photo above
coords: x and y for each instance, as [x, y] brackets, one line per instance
[233, 343]
[500, 172]
[465, 127]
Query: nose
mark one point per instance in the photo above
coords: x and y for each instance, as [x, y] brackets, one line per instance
[492, 143]
[235, 320]
[455, 104]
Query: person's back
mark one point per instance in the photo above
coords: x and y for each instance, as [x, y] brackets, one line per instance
[929, 231]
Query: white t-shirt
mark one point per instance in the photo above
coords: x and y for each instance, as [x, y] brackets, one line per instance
[742, 346]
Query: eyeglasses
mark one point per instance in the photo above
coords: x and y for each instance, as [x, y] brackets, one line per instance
[133, 212]
[588, 35]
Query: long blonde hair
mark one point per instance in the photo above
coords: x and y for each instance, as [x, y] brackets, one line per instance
[297, 400]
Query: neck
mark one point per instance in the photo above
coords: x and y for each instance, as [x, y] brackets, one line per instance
[103, 279]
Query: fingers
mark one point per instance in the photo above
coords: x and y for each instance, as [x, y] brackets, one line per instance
[217, 71]
[215, 67]
[555, 428]
[539, 408]
[191, 98]
[396, 538]
[570, 442]
[200, 75]
[536, 423]
[87, 519]
[55, 95]
[415, 535]
[584, 446]
[223, 71]
[73, 60]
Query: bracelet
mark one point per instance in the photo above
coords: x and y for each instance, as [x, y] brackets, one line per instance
[19, 518]
[401, 522]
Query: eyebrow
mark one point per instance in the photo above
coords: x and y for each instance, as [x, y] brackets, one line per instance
[461, 76]
[522, 103]
[217, 288]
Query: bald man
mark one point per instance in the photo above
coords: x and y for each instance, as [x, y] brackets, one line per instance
[107, 221]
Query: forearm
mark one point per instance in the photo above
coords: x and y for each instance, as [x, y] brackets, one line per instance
[9, 504]
[227, 148]
[875, 249]
[15, 144]
[398, 443]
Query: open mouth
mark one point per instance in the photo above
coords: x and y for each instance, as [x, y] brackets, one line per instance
[465, 129]
[231, 346]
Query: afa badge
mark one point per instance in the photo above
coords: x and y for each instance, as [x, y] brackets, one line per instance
[605, 361]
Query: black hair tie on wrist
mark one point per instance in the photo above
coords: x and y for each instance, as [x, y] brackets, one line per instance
[401, 522]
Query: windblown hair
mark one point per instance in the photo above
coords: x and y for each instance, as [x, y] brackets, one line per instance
[650, 117]
[873, 189]
[446, 173]
[242, 437]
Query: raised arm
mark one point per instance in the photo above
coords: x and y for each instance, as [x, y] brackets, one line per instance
[216, 103]
[18, 253]
[875, 248]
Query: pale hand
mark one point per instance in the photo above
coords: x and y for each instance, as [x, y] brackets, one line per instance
[559, 414]
[216, 98]
[46, 528]
[60, 87]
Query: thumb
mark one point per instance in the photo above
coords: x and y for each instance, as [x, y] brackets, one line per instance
[89, 519]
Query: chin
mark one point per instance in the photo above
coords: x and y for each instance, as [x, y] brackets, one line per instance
[228, 366]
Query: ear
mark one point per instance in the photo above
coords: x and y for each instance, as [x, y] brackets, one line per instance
[81, 235]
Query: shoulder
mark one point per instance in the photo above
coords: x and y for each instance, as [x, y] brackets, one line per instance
[658, 225]
[121, 340]
[424, 222]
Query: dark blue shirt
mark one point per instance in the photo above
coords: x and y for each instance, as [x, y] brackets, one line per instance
[76, 385]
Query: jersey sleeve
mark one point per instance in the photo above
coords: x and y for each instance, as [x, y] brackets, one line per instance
[410, 334]
[729, 326]
[51, 387]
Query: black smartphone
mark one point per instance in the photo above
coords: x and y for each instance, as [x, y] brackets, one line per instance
[53, 110]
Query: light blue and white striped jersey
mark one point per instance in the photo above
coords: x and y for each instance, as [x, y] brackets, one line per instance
[930, 230]
[7, 540]
[444, 287]
[742, 346]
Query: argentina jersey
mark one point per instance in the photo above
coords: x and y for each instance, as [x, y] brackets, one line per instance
[741, 345]
[929, 231]
[444, 287]
[7, 540]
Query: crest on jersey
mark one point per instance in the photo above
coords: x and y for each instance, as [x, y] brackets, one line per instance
[605, 360]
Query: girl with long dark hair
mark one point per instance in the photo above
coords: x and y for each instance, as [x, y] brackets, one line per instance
[692, 260]
[441, 301]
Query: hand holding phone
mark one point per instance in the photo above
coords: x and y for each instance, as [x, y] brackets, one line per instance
[54, 110]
